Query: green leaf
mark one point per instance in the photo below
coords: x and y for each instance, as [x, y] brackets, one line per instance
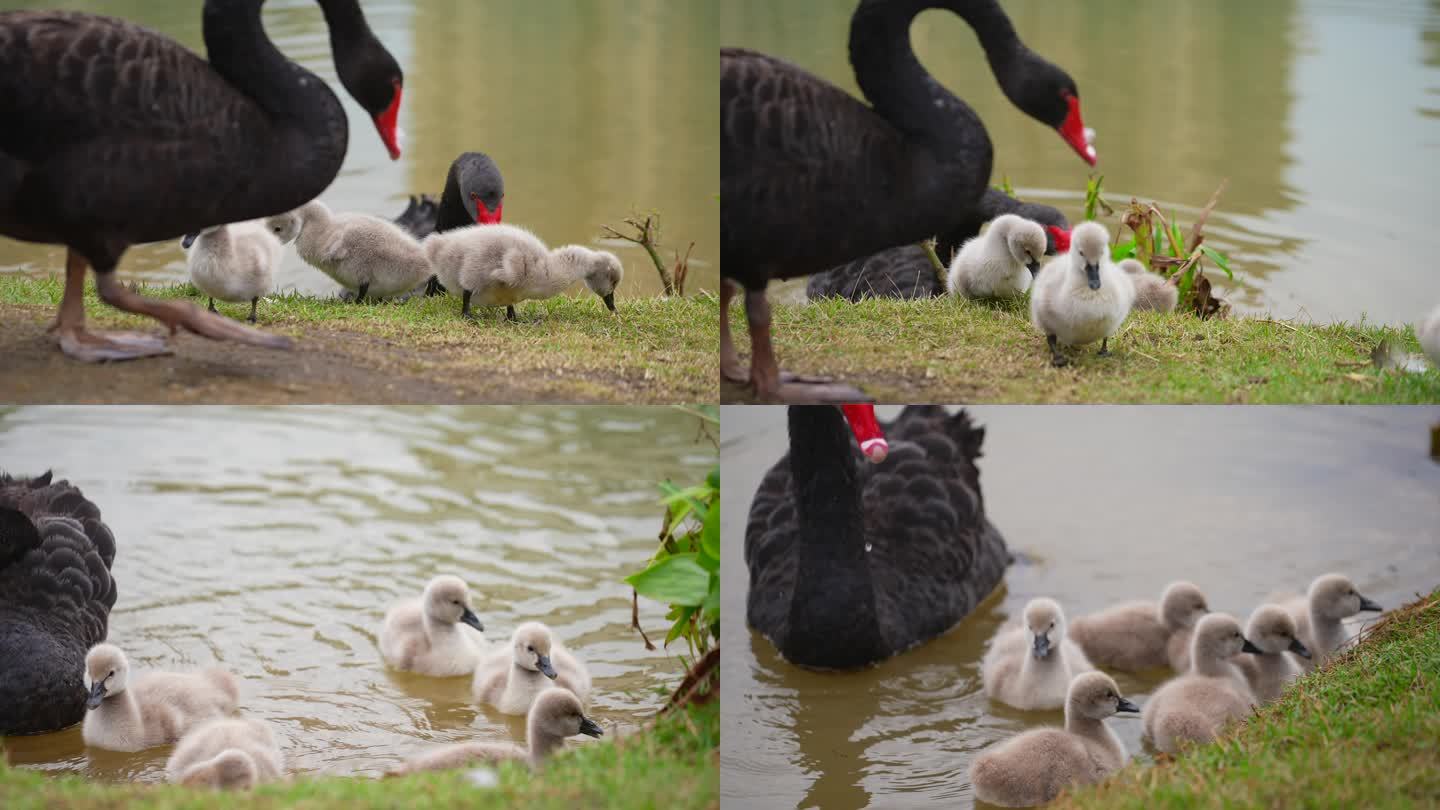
[1220, 259]
[1177, 239]
[710, 535]
[1124, 250]
[711, 605]
[678, 579]
[714, 478]
[682, 624]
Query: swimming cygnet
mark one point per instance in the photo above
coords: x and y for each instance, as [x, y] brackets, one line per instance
[233, 262]
[502, 265]
[1196, 705]
[425, 635]
[511, 679]
[1033, 767]
[1151, 290]
[1429, 335]
[228, 753]
[1268, 672]
[1134, 636]
[1081, 297]
[555, 715]
[366, 254]
[158, 708]
[1320, 615]
[999, 263]
[1031, 666]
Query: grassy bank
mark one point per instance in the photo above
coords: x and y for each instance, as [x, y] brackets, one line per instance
[949, 350]
[1363, 732]
[675, 765]
[569, 347]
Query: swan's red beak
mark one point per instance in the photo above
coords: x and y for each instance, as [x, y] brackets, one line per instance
[1062, 238]
[483, 215]
[386, 123]
[1073, 131]
[867, 431]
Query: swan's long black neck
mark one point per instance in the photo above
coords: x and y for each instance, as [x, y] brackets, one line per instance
[834, 598]
[900, 88]
[451, 212]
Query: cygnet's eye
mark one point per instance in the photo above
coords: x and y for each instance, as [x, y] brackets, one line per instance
[530, 648]
[111, 675]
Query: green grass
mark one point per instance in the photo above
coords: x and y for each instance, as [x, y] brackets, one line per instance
[1363, 732]
[951, 350]
[674, 765]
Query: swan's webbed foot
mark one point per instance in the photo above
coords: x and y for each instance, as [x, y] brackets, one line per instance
[98, 347]
[182, 315]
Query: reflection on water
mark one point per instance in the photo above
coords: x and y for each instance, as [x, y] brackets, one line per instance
[592, 110]
[1332, 170]
[271, 541]
[1105, 503]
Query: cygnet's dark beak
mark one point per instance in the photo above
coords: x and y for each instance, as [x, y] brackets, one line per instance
[1034, 266]
[591, 728]
[468, 616]
[609, 299]
[1366, 604]
[188, 239]
[542, 663]
[1126, 706]
[1092, 275]
[1299, 649]
[97, 694]
[1251, 648]
[1042, 645]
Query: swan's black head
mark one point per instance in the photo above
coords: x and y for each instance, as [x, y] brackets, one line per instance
[369, 73]
[482, 189]
[1048, 94]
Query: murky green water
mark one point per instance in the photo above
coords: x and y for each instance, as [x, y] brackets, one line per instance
[591, 109]
[271, 542]
[1108, 503]
[1334, 177]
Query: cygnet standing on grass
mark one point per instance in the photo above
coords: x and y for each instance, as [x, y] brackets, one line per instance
[158, 708]
[228, 753]
[510, 680]
[999, 263]
[1081, 297]
[1269, 671]
[1196, 705]
[1031, 666]
[555, 715]
[502, 265]
[1135, 636]
[234, 262]
[1151, 290]
[369, 255]
[1320, 617]
[437, 634]
[1034, 766]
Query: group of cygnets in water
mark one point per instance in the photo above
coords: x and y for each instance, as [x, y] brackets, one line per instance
[437, 635]
[1223, 674]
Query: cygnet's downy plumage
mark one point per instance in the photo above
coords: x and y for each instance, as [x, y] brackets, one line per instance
[502, 265]
[1429, 336]
[511, 679]
[437, 634]
[999, 263]
[1151, 290]
[1031, 666]
[1134, 636]
[1081, 296]
[1320, 617]
[1269, 671]
[555, 715]
[234, 262]
[156, 708]
[228, 753]
[1034, 766]
[1196, 705]
[365, 254]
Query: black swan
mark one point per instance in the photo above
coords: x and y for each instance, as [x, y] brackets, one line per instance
[812, 177]
[474, 195]
[906, 272]
[851, 562]
[116, 135]
[55, 598]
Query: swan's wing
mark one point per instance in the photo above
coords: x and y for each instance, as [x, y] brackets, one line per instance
[55, 557]
[770, 537]
[901, 272]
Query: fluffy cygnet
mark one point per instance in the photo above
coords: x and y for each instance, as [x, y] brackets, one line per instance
[555, 715]
[158, 708]
[426, 635]
[366, 254]
[1268, 672]
[510, 680]
[999, 263]
[502, 265]
[1429, 336]
[1134, 636]
[1151, 290]
[234, 262]
[1321, 614]
[1031, 666]
[1034, 766]
[1081, 296]
[1196, 705]
[228, 753]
